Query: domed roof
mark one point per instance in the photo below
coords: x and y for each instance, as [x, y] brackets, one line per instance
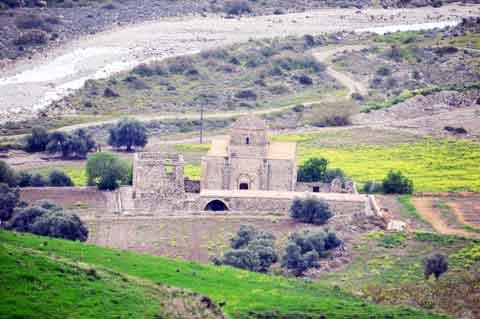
[250, 122]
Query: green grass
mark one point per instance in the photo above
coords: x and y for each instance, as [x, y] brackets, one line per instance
[433, 165]
[408, 209]
[38, 286]
[192, 147]
[310, 136]
[77, 173]
[245, 294]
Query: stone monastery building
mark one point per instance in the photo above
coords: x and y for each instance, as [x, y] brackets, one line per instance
[247, 160]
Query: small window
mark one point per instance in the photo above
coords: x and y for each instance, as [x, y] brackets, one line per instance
[168, 170]
[247, 140]
[316, 189]
[243, 186]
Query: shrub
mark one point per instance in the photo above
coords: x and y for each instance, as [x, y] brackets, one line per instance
[24, 179]
[397, 183]
[109, 92]
[38, 181]
[313, 170]
[305, 80]
[291, 62]
[384, 70]
[32, 37]
[246, 95]
[310, 210]
[75, 145]
[237, 7]
[304, 250]
[37, 141]
[251, 250]
[9, 198]
[144, 70]
[47, 219]
[106, 171]
[180, 65]
[128, 133]
[7, 175]
[29, 21]
[58, 178]
[436, 265]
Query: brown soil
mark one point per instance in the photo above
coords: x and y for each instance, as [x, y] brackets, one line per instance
[427, 209]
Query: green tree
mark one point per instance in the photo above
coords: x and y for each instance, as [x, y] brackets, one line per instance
[75, 145]
[7, 175]
[310, 210]
[37, 141]
[304, 250]
[251, 250]
[38, 181]
[58, 178]
[128, 133]
[9, 198]
[48, 219]
[397, 183]
[106, 171]
[436, 265]
[313, 170]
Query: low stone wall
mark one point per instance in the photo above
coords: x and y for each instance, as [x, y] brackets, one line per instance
[280, 202]
[71, 197]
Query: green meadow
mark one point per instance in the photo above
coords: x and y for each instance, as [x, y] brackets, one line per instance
[34, 281]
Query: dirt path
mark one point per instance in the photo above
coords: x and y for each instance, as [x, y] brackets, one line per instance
[426, 208]
[323, 55]
[31, 85]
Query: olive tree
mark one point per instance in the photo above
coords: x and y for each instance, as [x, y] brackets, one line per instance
[128, 133]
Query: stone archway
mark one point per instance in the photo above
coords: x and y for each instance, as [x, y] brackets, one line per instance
[216, 205]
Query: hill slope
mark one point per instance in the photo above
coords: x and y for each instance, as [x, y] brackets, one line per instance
[29, 265]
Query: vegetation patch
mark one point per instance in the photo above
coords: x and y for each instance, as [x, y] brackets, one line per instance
[227, 286]
[432, 165]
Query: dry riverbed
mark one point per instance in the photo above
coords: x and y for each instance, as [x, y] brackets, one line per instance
[30, 85]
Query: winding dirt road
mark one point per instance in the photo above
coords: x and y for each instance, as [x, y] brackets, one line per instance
[31, 85]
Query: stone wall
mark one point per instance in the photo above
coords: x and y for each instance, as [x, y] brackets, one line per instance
[89, 198]
[280, 202]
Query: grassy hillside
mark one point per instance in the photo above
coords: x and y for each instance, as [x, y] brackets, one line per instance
[33, 260]
[38, 285]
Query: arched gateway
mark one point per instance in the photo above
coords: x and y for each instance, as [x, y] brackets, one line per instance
[216, 206]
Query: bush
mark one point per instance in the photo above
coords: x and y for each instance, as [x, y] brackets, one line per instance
[58, 178]
[9, 198]
[310, 210]
[250, 250]
[32, 37]
[305, 80]
[106, 171]
[24, 179]
[435, 265]
[37, 141]
[29, 21]
[384, 70]
[312, 170]
[237, 7]
[75, 145]
[128, 133]
[305, 249]
[397, 183]
[38, 181]
[7, 175]
[246, 95]
[47, 219]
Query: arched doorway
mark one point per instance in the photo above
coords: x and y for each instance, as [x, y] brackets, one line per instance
[216, 206]
[243, 186]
